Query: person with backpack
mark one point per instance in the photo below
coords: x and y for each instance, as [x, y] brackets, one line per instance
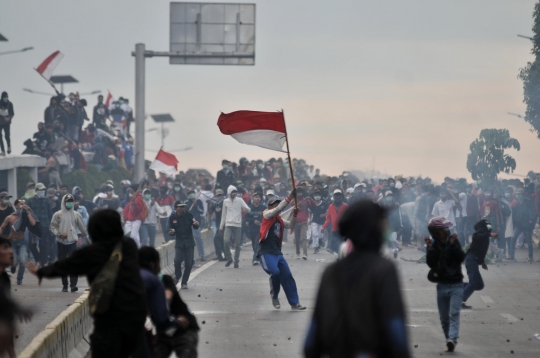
[359, 310]
[118, 319]
[134, 214]
[444, 257]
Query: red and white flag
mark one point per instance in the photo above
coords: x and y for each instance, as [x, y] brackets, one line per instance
[46, 68]
[165, 163]
[109, 100]
[262, 129]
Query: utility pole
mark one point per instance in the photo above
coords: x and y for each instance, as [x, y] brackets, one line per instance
[139, 111]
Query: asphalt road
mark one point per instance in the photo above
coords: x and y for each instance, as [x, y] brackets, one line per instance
[240, 321]
[237, 318]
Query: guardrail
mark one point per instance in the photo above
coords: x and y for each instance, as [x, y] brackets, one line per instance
[65, 332]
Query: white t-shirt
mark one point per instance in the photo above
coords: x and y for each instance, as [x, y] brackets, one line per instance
[445, 209]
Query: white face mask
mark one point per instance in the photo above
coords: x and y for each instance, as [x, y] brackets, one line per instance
[40, 193]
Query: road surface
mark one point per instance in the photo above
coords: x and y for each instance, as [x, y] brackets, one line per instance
[237, 318]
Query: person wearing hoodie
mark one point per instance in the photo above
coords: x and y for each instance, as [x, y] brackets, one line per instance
[359, 310]
[475, 257]
[147, 232]
[231, 224]
[64, 225]
[118, 327]
[6, 115]
[135, 212]
[444, 257]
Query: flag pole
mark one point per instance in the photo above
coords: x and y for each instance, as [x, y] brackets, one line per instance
[289, 157]
[52, 84]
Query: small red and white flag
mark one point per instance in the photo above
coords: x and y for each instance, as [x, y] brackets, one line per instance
[46, 68]
[165, 163]
[262, 129]
[109, 100]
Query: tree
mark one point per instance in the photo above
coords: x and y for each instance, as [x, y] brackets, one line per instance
[487, 158]
[530, 75]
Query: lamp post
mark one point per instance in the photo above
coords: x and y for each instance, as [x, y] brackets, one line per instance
[17, 51]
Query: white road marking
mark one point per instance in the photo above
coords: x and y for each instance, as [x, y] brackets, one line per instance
[197, 272]
[486, 299]
[509, 317]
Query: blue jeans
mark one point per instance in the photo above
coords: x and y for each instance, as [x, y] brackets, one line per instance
[449, 300]
[280, 274]
[198, 241]
[476, 283]
[20, 253]
[148, 231]
[528, 240]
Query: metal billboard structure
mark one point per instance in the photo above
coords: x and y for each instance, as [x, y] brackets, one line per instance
[212, 34]
[200, 34]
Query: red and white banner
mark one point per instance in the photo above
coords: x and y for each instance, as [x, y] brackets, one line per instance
[109, 100]
[46, 68]
[165, 163]
[262, 129]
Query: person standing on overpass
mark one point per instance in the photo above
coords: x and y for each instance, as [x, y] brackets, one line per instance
[270, 255]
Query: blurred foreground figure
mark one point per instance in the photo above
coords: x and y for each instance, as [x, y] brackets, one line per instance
[8, 308]
[118, 324]
[359, 310]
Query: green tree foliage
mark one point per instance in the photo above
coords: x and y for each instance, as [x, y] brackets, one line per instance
[91, 179]
[530, 75]
[487, 158]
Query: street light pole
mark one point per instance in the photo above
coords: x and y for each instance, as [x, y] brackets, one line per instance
[17, 51]
[139, 111]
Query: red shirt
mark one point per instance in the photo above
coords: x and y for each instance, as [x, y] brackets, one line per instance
[334, 215]
[167, 200]
[490, 208]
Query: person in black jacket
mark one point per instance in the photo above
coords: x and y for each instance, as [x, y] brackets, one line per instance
[215, 206]
[100, 114]
[225, 176]
[359, 310]
[116, 330]
[444, 257]
[6, 115]
[183, 340]
[181, 223]
[476, 256]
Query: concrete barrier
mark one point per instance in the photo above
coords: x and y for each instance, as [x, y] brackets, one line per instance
[60, 337]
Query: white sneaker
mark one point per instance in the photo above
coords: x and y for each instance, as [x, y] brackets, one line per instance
[298, 307]
[255, 263]
[304, 257]
[297, 256]
[276, 304]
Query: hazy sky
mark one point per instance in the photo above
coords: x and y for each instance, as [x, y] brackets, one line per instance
[405, 84]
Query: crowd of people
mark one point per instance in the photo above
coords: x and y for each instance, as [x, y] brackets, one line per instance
[254, 202]
[69, 139]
